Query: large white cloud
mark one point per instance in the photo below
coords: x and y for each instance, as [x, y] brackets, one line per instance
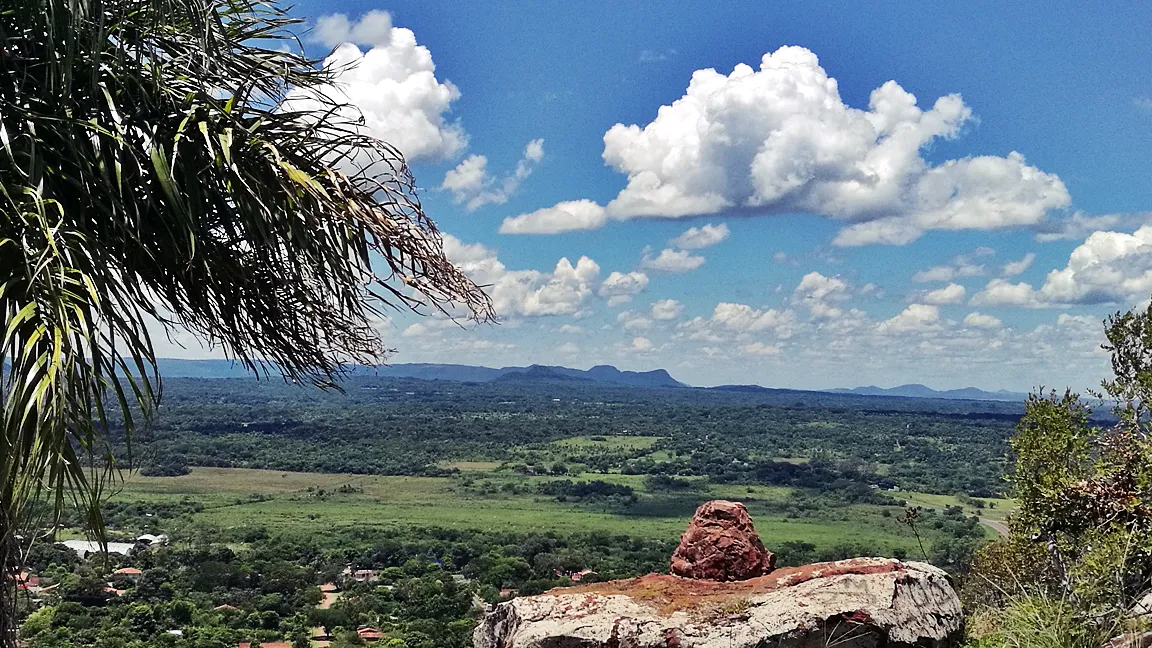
[1108, 267]
[393, 85]
[471, 185]
[780, 140]
[526, 292]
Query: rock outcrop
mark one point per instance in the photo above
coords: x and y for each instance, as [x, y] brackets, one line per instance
[858, 603]
[721, 545]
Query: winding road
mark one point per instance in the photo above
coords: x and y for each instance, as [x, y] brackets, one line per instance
[995, 525]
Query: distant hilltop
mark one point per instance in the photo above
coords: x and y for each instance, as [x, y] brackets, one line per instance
[921, 391]
[603, 374]
[599, 375]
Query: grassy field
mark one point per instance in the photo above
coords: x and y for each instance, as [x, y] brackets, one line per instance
[310, 501]
[608, 442]
[999, 511]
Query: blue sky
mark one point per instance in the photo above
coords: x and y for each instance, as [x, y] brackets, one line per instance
[841, 229]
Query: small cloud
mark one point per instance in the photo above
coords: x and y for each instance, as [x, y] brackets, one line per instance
[783, 259]
[667, 309]
[641, 344]
[760, 349]
[1017, 267]
[980, 320]
[656, 56]
[672, 261]
[950, 294]
[472, 186]
[916, 318]
[570, 216]
[620, 287]
[1143, 103]
[704, 236]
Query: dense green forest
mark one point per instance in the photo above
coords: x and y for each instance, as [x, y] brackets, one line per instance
[411, 427]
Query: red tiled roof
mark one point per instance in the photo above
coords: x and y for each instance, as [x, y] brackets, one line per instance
[128, 571]
[371, 634]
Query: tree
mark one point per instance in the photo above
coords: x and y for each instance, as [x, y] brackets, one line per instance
[1082, 530]
[152, 170]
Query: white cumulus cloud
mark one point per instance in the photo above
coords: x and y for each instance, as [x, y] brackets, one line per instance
[744, 318]
[620, 287]
[632, 321]
[641, 345]
[571, 216]
[779, 139]
[950, 294]
[1014, 268]
[472, 185]
[979, 320]
[526, 293]
[393, 85]
[916, 318]
[701, 237]
[672, 261]
[666, 309]
[1108, 267]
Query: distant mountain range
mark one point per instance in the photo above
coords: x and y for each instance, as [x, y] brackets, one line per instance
[607, 374]
[601, 374]
[921, 391]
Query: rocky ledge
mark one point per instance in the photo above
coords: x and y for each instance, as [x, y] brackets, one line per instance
[857, 603]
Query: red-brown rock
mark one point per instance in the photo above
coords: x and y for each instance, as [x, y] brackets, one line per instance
[721, 545]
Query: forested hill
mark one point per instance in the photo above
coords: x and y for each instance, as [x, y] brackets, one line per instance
[175, 368]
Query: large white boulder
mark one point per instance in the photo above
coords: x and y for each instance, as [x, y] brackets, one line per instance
[858, 603]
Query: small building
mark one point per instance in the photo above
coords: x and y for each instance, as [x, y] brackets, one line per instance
[130, 572]
[369, 634]
[329, 588]
[152, 540]
[364, 575]
[578, 576]
[225, 608]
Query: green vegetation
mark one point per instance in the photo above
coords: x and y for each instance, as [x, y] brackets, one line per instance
[1079, 555]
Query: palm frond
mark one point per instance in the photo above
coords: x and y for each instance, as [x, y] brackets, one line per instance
[153, 168]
